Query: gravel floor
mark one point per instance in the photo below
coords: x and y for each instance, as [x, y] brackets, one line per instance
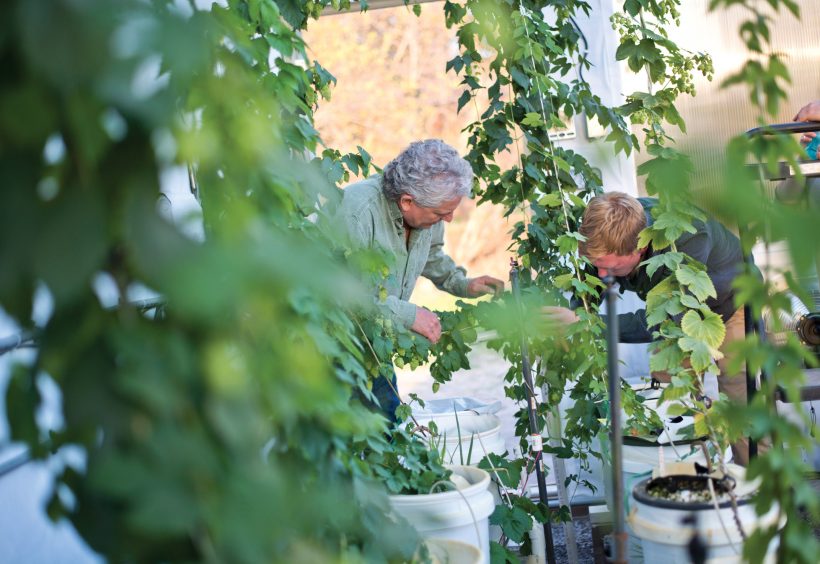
[583, 540]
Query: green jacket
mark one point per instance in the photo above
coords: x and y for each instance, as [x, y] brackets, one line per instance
[373, 221]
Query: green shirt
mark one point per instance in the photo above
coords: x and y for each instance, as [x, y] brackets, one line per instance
[373, 221]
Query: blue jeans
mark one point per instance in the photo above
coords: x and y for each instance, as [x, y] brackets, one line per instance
[387, 395]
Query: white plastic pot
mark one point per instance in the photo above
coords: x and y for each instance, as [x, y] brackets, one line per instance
[470, 439]
[659, 524]
[460, 515]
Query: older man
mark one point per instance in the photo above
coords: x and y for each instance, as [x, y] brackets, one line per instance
[402, 212]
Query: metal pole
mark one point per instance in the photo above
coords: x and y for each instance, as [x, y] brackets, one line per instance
[751, 381]
[615, 433]
[560, 469]
[536, 442]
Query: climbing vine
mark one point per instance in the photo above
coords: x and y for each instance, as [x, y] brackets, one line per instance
[532, 84]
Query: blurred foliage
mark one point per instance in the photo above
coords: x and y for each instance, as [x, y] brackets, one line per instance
[781, 470]
[257, 347]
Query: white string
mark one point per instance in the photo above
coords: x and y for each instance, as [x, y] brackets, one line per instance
[525, 14]
[451, 484]
[501, 488]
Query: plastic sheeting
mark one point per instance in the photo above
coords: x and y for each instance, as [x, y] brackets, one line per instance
[449, 406]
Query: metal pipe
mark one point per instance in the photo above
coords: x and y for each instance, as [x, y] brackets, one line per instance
[751, 380]
[615, 433]
[536, 441]
[784, 128]
[558, 465]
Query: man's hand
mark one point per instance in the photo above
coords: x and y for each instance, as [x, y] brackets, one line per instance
[555, 315]
[484, 285]
[809, 112]
[427, 324]
[806, 138]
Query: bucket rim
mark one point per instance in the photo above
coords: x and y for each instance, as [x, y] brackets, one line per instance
[640, 494]
[481, 484]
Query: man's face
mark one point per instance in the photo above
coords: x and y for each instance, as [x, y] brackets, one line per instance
[419, 217]
[617, 265]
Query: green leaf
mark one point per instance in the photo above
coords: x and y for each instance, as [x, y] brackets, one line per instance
[677, 409]
[567, 244]
[520, 78]
[709, 329]
[626, 50]
[665, 357]
[701, 354]
[696, 281]
[670, 260]
[632, 7]
[701, 429]
[366, 158]
[532, 119]
[661, 301]
[551, 200]
[690, 302]
[514, 522]
[508, 471]
[464, 99]
[502, 555]
[563, 281]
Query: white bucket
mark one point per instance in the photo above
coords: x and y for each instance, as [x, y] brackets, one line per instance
[664, 537]
[470, 439]
[460, 515]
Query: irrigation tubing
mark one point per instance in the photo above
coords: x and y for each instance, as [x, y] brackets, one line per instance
[536, 442]
[615, 433]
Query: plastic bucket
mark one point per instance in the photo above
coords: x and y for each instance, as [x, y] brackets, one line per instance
[471, 438]
[641, 460]
[661, 524]
[460, 515]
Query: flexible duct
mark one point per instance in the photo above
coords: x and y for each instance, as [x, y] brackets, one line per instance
[801, 321]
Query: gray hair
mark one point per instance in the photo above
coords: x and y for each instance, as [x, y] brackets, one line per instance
[430, 171]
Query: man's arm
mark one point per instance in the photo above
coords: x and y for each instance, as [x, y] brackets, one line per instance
[632, 326]
[809, 112]
[444, 273]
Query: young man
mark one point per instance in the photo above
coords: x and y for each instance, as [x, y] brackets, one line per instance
[611, 224]
[402, 212]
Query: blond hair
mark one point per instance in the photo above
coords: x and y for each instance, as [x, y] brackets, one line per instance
[611, 224]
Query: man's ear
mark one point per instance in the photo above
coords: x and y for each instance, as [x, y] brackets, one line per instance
[404, 202]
